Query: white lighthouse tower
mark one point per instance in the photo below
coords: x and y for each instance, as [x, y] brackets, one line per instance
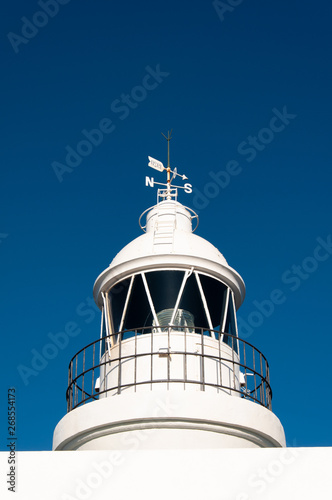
[169, 370]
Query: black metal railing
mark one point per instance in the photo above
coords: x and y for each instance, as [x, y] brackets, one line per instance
[246, 367]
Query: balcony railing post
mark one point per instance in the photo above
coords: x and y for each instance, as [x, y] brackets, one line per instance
[169, 356]
[93, 370]
[120, 362]
[185, 358]
[233, 363]
[151, 359]
[202, 359]
[220, 361]
[135, 362]
[262, 390]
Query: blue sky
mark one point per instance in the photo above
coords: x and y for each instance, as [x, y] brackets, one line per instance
[247, 93]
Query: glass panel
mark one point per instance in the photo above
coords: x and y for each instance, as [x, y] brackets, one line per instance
[214, 292]
[138, 312]
[191, 301]
[182, 318]
[103, 331]
[164, 288]
[103, 323]
[230, 326]
[117, 296]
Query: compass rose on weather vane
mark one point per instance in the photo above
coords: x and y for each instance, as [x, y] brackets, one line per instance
[171, 190]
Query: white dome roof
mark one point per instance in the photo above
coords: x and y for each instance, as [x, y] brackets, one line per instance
[183, 243]
[169, 243]
[169, 231]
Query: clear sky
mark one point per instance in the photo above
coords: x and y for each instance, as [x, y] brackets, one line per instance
[247, 92]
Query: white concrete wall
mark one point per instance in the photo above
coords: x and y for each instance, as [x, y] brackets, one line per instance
[173, 419]
[228, 474]
[136, 367]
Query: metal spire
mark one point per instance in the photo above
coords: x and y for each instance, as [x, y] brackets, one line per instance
[168, 168]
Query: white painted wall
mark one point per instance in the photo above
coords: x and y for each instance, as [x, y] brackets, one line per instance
[227, 474]
[169, 420]
[136, 367]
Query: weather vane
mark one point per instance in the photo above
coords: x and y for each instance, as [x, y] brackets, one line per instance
[171, 190]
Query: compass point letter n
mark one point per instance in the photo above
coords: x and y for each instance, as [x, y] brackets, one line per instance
[149, 181]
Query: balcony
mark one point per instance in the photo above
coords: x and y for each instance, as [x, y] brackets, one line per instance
[171, 358]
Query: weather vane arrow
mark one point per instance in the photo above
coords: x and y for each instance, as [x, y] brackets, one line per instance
[158, 165]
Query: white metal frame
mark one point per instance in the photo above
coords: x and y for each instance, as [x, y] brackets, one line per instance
[206, 309]
[183, 284]
[224, 314]
[150, 301]
[124, 312]
[108, 322]
[107, 317]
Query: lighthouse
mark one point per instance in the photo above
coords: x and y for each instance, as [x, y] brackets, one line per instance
[168, 370]
[168, 401]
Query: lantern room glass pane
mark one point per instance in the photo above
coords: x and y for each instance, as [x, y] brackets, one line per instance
[139, 311]
[117, 296]
[103, 330]
[164, 288]
[214, 292]
[230, 326]
[103, 323]
[192, 301]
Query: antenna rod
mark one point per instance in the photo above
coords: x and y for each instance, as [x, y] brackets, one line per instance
[168, 139]
[168, 168]
[171, 191]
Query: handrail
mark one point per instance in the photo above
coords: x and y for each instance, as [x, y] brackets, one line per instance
[84, 369]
